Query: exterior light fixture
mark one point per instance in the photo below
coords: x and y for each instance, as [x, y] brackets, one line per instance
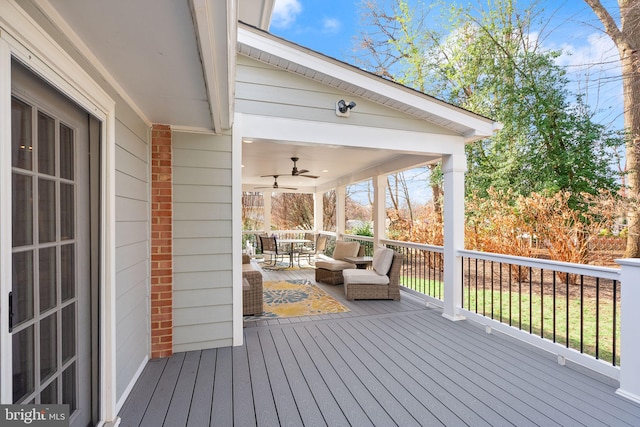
[343, 109]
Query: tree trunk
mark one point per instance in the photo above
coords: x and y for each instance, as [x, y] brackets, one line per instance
[628, 48]
[627, 40]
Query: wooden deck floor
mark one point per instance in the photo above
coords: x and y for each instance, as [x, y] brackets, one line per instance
[383, 363]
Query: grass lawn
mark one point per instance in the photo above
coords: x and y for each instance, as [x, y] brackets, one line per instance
[535, 314]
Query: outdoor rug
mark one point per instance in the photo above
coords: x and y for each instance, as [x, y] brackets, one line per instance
[295, 298]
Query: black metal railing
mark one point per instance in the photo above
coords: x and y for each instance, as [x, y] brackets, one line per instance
[577, 308]
[422, 267]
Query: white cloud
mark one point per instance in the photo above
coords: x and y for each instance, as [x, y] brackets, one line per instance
[331, 25]
[285, 13]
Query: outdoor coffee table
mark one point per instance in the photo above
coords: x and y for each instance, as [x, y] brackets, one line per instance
[361, 262]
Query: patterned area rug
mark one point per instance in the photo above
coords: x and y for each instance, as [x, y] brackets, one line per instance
[295, 298]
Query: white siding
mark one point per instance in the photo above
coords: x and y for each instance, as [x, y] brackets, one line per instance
[264, 90]
[202, 278]
[132, 248]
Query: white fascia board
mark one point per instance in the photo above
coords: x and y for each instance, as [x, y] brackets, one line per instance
[352, 75]
[217, 54]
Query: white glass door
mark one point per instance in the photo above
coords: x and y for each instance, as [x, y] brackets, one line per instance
[50, 313]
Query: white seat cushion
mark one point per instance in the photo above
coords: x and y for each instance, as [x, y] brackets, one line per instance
[382, 259]
[364, 277]
[334, 265]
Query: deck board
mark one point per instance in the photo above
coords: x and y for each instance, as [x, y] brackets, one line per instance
[381, 363]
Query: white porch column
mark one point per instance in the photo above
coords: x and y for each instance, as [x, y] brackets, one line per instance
[629, 321]
[267, 211]
[453, 168]
[318, 211]
[341, 195]
[379, 209]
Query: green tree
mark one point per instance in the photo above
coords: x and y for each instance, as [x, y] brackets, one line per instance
[485, 60]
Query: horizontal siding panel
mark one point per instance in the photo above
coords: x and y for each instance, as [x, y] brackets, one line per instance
[202, 211]
[198, 315]
[129, 164]
[135, 299]
[131, 187]
[136, 273]
[189, 263]
[202, 333]
[200, 176]
[201, 193]
[202, 298]
[129, 141]
[202, 280]
[201, 158]
[131, 210]
[226, 342]
[187, 229]
[127, 256]
[195, 141]
[131, 232]
[202, 246]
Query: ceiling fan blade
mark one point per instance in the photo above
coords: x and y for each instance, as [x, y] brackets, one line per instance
[301, 171]
[310, 176]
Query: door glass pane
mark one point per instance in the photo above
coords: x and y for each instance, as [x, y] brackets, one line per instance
[47, 269]
[68, 332]
[66, 152]
[23, 363]
[48, 352]
[67, 219]
[46, 144]
[46, 210]
[69, 387]
[68, 275]
[22, 210]
[22, 287]
[21, 149]
[50, 394]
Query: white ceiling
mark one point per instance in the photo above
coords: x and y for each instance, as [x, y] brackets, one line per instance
[328, 162]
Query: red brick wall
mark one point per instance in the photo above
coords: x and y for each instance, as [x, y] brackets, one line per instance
[161, 242]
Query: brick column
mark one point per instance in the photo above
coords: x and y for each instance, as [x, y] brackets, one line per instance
[161, 242]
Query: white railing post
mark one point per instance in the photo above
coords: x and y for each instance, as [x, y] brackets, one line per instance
[318, 212]
[266, 197]
[629, 321]
[453, 168]
[379, 209]
[341, 206]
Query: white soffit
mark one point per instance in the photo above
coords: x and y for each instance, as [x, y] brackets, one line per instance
[294, 58]
[159, 53]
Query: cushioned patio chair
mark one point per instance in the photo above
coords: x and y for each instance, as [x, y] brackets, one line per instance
[318, 248]
[330, 271]
[381, 282]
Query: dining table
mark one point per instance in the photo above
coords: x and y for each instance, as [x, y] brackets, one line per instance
[292, 243]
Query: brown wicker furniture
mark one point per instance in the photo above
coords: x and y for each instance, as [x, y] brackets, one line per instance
[329, 271]
[372, 284]
[251, 288]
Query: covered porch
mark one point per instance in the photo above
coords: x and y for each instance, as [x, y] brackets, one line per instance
[382, 363]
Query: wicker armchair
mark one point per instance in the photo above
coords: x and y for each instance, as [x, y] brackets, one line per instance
[330, 271]
[371, 284]
[251, 289]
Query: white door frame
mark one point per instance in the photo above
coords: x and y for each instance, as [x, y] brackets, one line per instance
[23, 39]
